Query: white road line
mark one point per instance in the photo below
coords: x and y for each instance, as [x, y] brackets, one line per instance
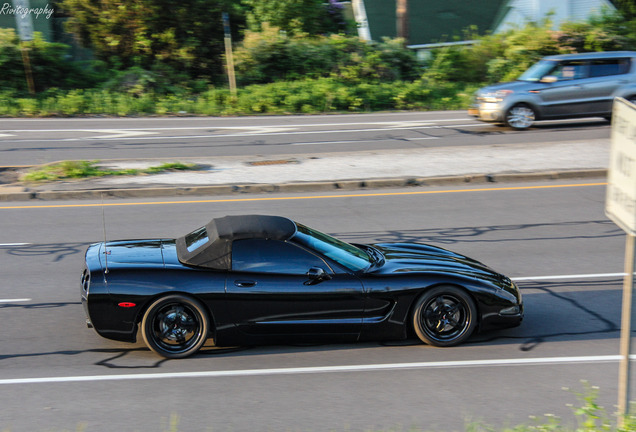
[235, 135]
[20, 300]
[14, 244]
[356, 141]
[579, 276]
[341, 131]
[120, 133]
[250, 131]
[396, 124]
[332, 142]
[320, 369]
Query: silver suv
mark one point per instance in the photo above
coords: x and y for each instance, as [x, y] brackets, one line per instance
[561, 86]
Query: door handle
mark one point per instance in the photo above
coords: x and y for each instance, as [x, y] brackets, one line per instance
[244, 283]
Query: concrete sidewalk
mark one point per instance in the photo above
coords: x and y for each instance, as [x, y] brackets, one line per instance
[333, 171]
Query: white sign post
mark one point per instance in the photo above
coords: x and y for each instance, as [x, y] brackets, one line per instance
[23, 20]
[25, 30]
[620, 206]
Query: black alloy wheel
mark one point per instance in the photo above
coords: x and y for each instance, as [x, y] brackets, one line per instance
[444, 316]
[175, 326]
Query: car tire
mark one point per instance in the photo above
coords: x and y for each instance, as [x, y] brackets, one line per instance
[520, 116]
[444, 316]
[175, 326]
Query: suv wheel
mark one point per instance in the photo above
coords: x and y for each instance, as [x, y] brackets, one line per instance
[520, 116]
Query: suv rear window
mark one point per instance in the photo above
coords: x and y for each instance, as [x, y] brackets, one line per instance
[606, 67]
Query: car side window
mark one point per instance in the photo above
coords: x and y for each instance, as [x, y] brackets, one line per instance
[273, 256]
[607, 67]
[570, 70]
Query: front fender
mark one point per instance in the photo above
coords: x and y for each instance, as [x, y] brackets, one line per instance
[529, 99]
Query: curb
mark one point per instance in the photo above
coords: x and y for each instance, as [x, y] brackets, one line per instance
[324, 186]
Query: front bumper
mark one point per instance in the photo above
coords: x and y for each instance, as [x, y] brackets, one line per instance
[506, 313]
[488, 112]
[500, 321]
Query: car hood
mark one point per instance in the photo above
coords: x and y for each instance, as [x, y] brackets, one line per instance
[421, 258]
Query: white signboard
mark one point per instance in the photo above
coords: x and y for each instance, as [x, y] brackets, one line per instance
[23, 19]
[620, 201]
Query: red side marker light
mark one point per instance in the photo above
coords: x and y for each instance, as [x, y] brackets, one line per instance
[127, 304]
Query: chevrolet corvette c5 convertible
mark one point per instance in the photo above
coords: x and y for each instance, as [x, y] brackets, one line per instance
[255, 279]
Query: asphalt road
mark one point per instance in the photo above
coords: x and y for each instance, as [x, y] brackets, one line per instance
[55, 374]
[37, 141]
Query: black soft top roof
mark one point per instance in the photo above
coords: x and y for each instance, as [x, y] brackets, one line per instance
[215, 251]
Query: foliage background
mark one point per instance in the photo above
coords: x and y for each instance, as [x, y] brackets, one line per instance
[292, 56]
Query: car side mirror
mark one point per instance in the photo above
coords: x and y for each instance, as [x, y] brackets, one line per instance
[316, 275]
[549, 79]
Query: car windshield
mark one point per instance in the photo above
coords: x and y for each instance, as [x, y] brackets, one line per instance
[538, 71]
[345, 254]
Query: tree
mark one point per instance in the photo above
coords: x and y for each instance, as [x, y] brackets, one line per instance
[313, 17]
[186, 36]
[49, 64]
[627, 8]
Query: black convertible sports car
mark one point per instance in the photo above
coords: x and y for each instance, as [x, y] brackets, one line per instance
[256, 279]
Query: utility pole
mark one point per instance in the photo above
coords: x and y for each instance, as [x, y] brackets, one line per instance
[228, 54]
[402, 22]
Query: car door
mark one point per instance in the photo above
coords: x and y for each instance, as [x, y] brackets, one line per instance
[269, 292]
[605, 77]
[566, 96]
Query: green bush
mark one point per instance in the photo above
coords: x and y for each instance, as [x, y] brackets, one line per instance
[271, 55]
[160, 79]
[495, 58]
[49, 65]
[309, 96]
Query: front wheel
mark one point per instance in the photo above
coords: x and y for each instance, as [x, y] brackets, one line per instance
[175, 326]
[520, 116]
[444, 316]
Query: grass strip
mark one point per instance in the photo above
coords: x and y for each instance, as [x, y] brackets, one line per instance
[89, 169]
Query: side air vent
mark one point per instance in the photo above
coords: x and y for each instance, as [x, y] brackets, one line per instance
[86, 280]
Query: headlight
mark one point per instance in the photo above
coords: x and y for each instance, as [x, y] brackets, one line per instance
[510, 287]
[496, 96]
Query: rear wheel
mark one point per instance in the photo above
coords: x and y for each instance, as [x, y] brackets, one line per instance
[520, 116]
[175, 326]
[444, 316]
